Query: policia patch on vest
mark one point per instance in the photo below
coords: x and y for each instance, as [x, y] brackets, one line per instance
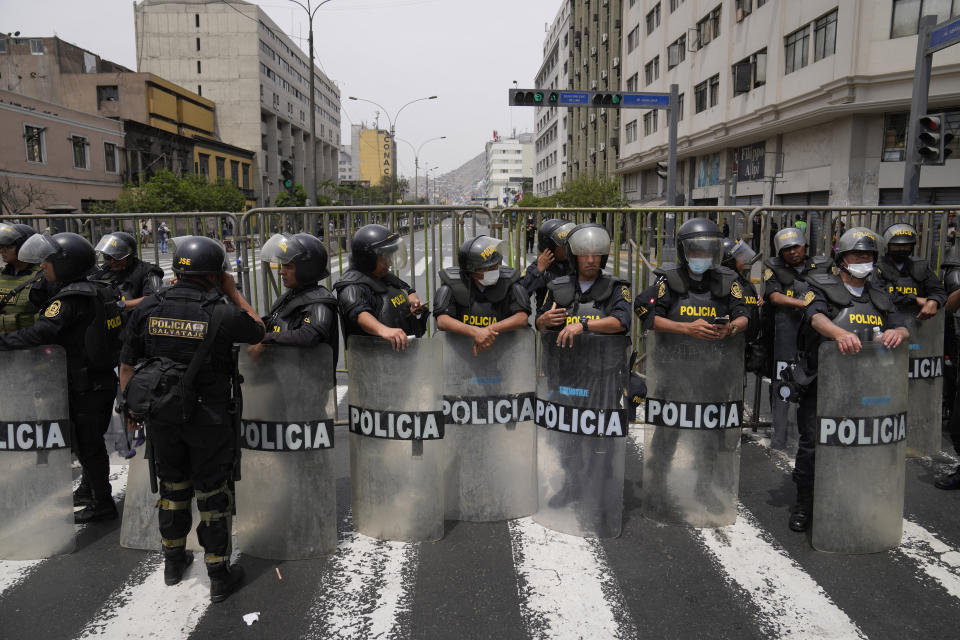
[662, 290]
[625, 293]
[767, 274]
[308, 435]
[34, 436]
[396, 425]
[808, 298]
[177, 328]
[53, 310]
[736, 291]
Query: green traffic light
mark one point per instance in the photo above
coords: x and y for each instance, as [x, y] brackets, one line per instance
[616, 98]
[538, 97]
[554, 96]
[287, 184]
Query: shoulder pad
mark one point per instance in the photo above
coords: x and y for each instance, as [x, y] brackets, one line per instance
[722, 285]
[880, 298]
[353, 276]
[450, 276]
[822, 261]
[666, 267]
[831, 286]
[774, 261]
[81, 288]
[563, 289]
[918, 268]
[672, 272]
[509, 274]
[314, 295]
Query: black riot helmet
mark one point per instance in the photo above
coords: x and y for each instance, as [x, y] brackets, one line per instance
[858, 239]
[902, 234]
[302, 250]
[739, 250]
[70, 254]
[552, 234]
[375, 240]
[480, 253]
[117, 245]
[787, 238]
[198, 256]
[587, 240]
[699, 235]
[14, 235]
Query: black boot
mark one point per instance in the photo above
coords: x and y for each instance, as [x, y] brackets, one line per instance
[224, 580]
[949, 482]
[802, 512]
[82, 496]
[98, 510]
[175, 562]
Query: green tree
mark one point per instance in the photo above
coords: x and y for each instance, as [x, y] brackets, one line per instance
[298, 197]
[584, 192]
[166, 192]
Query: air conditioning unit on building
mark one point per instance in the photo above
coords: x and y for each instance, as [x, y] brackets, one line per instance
[593, 51]
[603, 147]
[604, 38]
[593, 85]
[593, 118]
[616, 63]
[603, 74]
[740, 15]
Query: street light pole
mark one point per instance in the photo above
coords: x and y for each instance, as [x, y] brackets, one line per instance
[416, 161]
[393, 132]
[311, 11]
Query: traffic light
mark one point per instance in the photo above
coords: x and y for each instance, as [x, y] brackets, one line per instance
[523, 97]
[662, 169]
[286, 172]
[933, 139]
[553, 98]
[607, 99]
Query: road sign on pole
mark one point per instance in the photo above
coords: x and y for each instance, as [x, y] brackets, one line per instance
[944, 35]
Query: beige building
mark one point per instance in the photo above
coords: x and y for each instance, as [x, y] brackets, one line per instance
[783, 102]
[54, 155]
[235, 55]
[550, 143]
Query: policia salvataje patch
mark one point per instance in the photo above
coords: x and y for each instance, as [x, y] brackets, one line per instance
[177, 328]
[34, 436]
[307, 435]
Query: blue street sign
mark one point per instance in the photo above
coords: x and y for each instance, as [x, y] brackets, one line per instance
[944, 36]
[651, 100]
[574, 97]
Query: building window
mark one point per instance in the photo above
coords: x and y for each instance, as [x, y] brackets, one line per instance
[677, 52]
[107, 93]
[204, 164]
[3, 45]
[760, 3]
[796, 46]
[653, 19]
[36, 46]
[680, 107]
[894, 136]
[632, 82]
[81, 159]
[906, 14]
[649, 123]
[825, 36]
[708, 28]
[196, 19]
[199, 90]
[198, 44]
[743, 8]
[750, 73]
[36, 147]
[245, 172]
[674, 4]
[110, 157]
[235, 172]
[198, 66]
[633, 39]
[651, 70]
[631, 131]
[714, 90]
[221, 168]
[700, 97]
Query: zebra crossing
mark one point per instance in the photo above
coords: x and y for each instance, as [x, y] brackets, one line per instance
[519, 580]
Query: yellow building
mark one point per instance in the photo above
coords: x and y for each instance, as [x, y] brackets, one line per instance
[374, 154]
[221, 161]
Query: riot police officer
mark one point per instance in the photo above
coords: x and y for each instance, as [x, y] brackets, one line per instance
[83, 317]
[699, 297]
[951, 281]
[372, 300]
[738, 256]
[483, 297]
[785, 285]
[588, 299]
[23, 288]
[849, 308]
[194, 456]
[306, 314]
[134, 277]
[552, 261]
[911, 282]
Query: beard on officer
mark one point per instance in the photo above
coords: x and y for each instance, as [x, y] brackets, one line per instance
[372, 300]
[481, 298]
[586, 300]
[847, 308]
[84, 319]
[196, 455]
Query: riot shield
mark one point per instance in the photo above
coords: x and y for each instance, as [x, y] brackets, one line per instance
[36, 502]
[490, 442]
[861, 438]
[581, 447]
[925, 387]
[140, 528]
[395, 418]
[286, 500]
[694, 411]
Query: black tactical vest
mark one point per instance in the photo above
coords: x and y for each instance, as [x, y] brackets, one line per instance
[393, 305]
[909, 280]
[787, 321]
[711, 299]
[289, 310]
[593, 304]
[101, 339]
[129, 281]
[480, 308]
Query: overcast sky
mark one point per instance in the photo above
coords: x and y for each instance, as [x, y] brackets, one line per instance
[468, 52]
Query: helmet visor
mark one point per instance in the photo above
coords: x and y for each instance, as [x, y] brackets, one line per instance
[37, 248]
[590, 241]
[703, 248]
[393, 248]
[485, 252]
[9, 235]
[281, 248]
[744, 253]
[559, 235]
[113, 246]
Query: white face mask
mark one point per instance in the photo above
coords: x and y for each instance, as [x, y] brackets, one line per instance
[490, 278]
[860, 271]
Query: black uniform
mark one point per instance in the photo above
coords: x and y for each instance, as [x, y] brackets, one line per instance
[606, 296]
[536, 283]
[682, 298]
[386, 299]
[462, 299]
[951, 344]
[857, 314]
[75, 319]
[911, 279]
[138, 280]
[196, 457]
[304, 317]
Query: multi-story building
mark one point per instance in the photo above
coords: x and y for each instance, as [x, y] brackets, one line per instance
[67, 159]
[594, 64]
[345, 173]
[550, 121]
[235, 55]
[373, 154]
[783, 102]
[508, 162]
